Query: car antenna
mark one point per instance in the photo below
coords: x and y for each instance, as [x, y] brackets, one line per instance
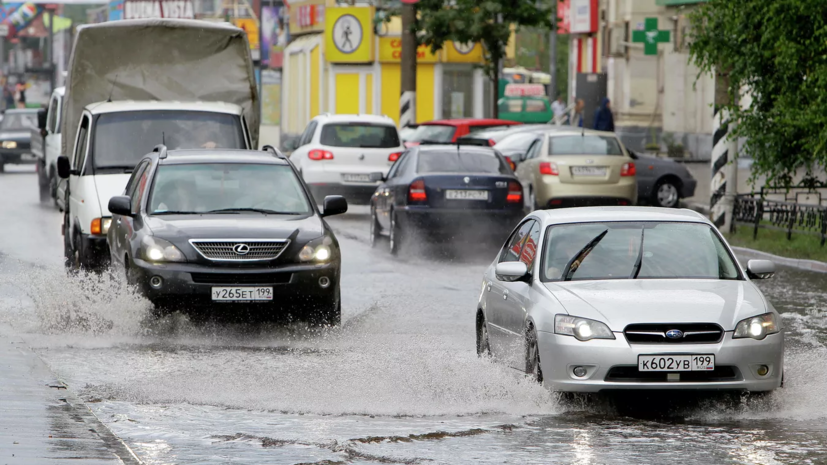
[112, 90]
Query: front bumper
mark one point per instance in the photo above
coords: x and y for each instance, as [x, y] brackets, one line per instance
[464, 223]
[738, 360]
[193, 282]
[18, 155]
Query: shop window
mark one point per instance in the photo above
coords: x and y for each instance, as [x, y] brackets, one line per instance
[458, 93]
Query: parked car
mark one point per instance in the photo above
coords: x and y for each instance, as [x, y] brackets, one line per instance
[443, 191]
[574, 167]
[662, 182]
[16, 136]
[493, 136]
[526, 109]
[199, 227]
[449, 130]
[337, 153]
[593, 299]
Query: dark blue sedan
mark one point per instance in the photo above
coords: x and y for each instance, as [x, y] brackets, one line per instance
[443, 192]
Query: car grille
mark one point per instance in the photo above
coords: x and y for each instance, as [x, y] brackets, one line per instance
[693, 333]
[630, 374]
[241, 278]
[234, 250]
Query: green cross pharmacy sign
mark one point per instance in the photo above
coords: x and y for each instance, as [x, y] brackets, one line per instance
[650, 36]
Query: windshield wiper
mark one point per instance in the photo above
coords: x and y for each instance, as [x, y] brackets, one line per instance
[578, 258]
[175, 212]
[639, 260]
[125, 168]
[257, 210]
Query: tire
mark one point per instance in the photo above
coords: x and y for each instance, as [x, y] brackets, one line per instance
[2, 167]
[43, 183]
[329, 314]
[666, 193]
[396, 236]
[68, 254]
[532, 200]
[533, 368]
[374, 228]
[53, 187]
[483, 342]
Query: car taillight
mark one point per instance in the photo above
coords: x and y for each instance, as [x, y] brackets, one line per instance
[628, 169]
[549, 169]
[492, 142]
[394, 156]
[515, 193]
[320, 155]
[511, 163]
[416, 193]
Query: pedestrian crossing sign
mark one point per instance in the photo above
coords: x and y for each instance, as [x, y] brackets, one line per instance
[349, 34]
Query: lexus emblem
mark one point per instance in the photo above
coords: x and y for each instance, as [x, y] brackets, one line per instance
[674, 334]
[467, 180]
[241, 249]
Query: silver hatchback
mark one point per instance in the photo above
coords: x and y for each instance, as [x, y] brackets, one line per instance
[614, 298]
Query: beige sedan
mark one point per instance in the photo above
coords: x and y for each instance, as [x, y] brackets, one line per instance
[571, 167]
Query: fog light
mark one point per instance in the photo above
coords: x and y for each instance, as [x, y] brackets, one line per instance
[763, 370]
[324, 282]
[156, 282]
[579, 372]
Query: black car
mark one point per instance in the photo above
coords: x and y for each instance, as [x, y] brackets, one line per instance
[16, 136]
[442, 192]
[202, 227]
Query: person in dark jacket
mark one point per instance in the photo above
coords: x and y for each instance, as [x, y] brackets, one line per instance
[603, 118]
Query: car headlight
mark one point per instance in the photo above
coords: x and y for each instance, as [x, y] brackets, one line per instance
[320, 250]
[757, 327]
[154, 249]
[581, 328]
[9, 144]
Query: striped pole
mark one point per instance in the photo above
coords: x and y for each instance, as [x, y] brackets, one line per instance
[720, 157]
[407, 109]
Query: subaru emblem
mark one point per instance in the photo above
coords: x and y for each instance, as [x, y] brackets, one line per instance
[674, 334]
[241, 249]
[467, 180]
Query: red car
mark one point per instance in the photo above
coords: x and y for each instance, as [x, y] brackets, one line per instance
[449, 130]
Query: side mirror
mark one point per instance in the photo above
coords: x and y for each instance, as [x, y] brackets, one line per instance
[760, 269]
[41, 119]
[120, 205]
[376, 177]
[511, 271]
[334, 205]
[63, 168]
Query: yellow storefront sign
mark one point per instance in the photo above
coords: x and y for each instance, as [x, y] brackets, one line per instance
[250, 27]
[390, 51]
[462, 53]
[349, 34]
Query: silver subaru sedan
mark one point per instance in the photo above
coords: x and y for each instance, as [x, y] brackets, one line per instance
[618, 298]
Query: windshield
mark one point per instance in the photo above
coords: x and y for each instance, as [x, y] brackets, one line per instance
[671, 250]
[122, 139]
[19, 122]
[360, 135]
[201, 188]
[515, 143]
[583, 145]
[433, 132]
[460, 162]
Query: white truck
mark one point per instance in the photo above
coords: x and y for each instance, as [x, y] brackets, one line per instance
[135, 84]
[46, 145]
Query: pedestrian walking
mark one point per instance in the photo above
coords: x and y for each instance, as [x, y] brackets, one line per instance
[603, 118]
[558, 107]
[576, 118]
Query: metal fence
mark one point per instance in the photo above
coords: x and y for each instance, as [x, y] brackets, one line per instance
[799, 210]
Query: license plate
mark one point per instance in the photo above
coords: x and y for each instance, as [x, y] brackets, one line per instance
[237, 294]
[588, 171]
[356, 177]
[466, 195]
[675, 362]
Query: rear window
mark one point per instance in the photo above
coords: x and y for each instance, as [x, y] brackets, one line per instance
[433, 132]
[476, 129]
[535, 106]
[584, 145]
[360, 135]
[461, 162]
[511, 106]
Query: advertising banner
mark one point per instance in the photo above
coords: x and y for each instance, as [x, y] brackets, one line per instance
[274, 35]
[154, 9]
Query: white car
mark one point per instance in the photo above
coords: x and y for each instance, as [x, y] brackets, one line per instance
[337, 153]
[618, 298]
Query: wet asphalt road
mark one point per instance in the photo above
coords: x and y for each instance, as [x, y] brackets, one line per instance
[399, 382]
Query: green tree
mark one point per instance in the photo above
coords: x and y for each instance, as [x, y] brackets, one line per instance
[485, 21]
[777, 52]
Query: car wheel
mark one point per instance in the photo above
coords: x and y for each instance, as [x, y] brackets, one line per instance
[330, 313]
[53, 187]
[374, 227]
[2, 167]
[483, 344]
[396, 236]
[43, 183]
[666, 194]
[532, 357]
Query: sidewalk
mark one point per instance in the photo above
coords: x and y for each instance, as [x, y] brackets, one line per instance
[41, 421]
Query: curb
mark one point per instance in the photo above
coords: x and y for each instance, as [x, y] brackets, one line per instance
[806, 265]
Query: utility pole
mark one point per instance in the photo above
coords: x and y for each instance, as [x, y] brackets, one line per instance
[51, 46]
[552, 55]
[407, 101]
[724, 170]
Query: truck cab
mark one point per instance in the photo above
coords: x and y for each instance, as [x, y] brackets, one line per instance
[46, 142]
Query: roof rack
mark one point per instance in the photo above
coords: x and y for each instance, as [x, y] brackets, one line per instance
[162, 151]
[276, 152]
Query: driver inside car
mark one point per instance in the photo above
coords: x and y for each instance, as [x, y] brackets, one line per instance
[177, 195]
